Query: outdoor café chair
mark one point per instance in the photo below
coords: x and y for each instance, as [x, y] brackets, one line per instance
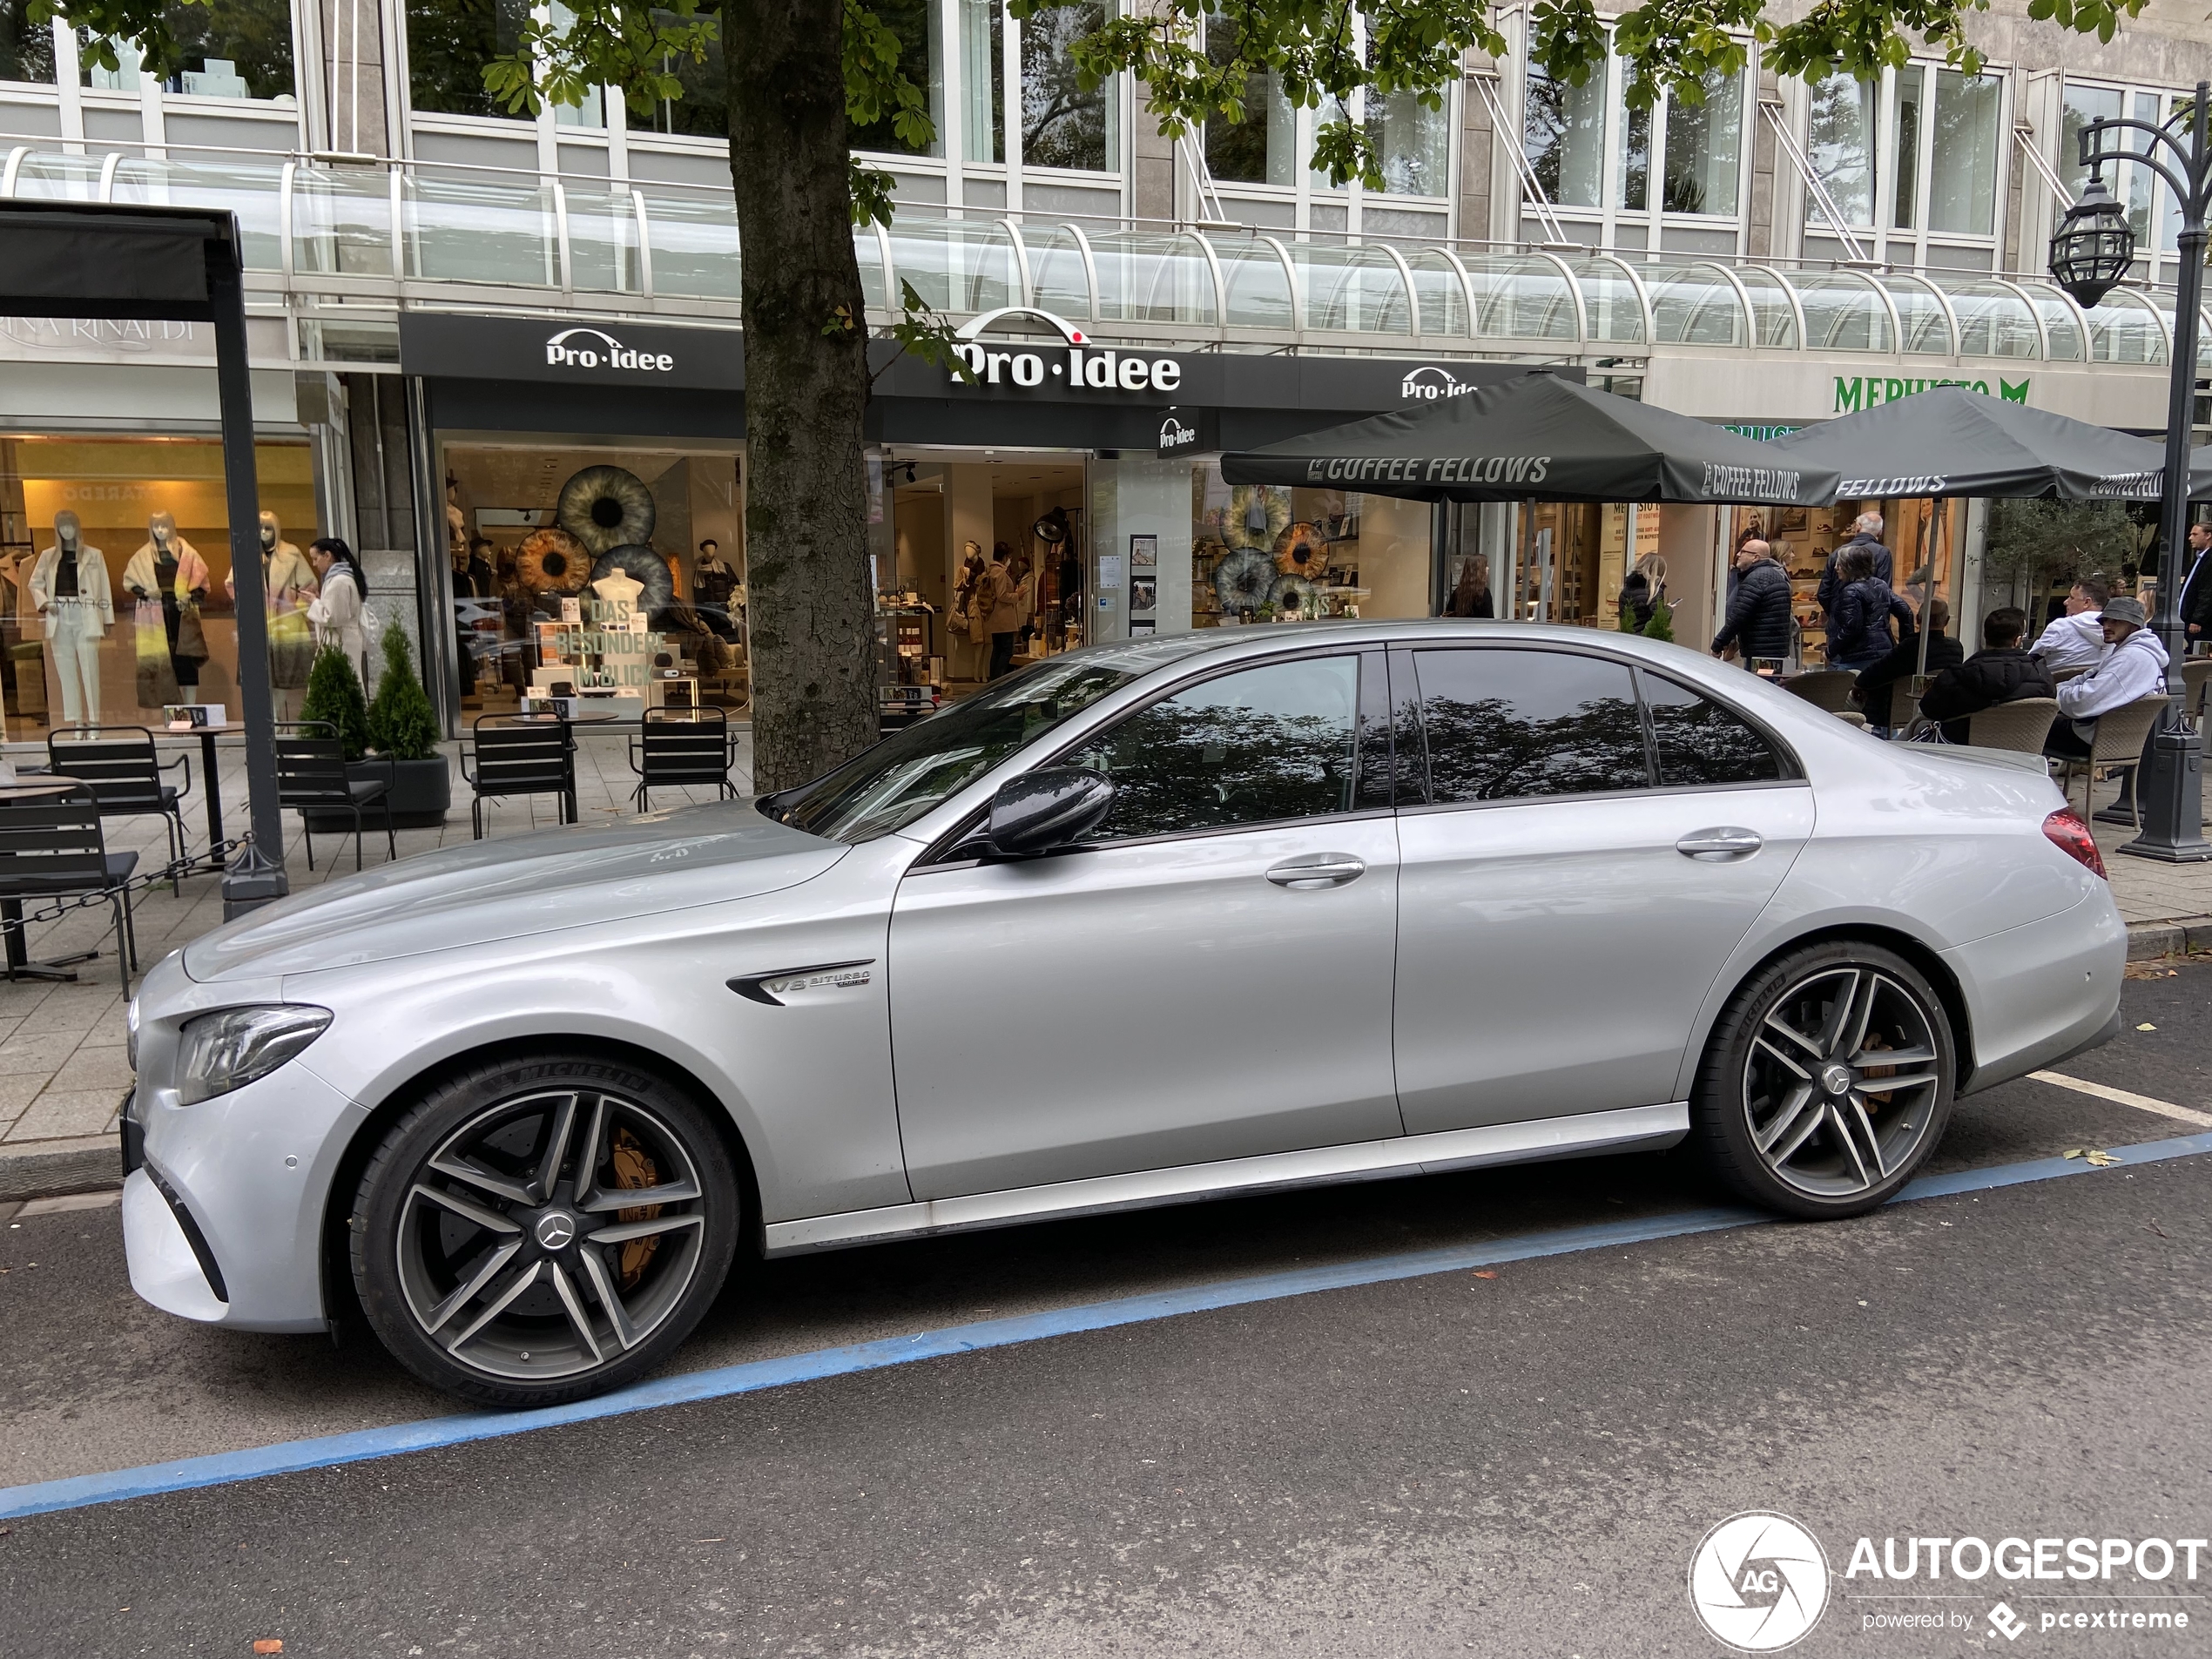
[121, 764]
[508, 756]
[676, 748]
[1825, 688]
[2023, 726]
[52, 847]
[313, 777]
[2119, 747]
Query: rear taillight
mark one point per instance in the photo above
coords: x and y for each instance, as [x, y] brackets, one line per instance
[2071, 836]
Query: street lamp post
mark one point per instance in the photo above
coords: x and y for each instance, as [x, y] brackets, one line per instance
[2092, 249]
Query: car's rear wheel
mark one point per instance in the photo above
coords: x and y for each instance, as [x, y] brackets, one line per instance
[534, 1232]
[1827, 1081]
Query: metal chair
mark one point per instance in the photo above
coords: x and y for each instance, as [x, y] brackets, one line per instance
[125, 771]
[679, 747]
[2119, 747]
[512, 757]
[313, 777]
[2021, 726]
[1825, 688]
[52, 847]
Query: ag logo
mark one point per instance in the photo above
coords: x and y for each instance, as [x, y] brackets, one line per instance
[1759, 1582]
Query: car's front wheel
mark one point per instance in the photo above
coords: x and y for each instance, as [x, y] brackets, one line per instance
[1827, 1081]
[536, 1231]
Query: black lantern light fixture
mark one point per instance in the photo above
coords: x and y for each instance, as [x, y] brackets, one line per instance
[2091, 253]
[2094, 246]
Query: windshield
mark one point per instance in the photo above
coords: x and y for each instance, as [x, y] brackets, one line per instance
[912, 770]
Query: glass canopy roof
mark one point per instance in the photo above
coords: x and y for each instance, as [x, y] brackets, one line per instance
[362, 229]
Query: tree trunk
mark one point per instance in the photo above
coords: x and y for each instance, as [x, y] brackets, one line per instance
[806, 389]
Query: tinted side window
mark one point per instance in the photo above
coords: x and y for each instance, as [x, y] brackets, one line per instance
[1502, 724]
[1254, 747]
[1700, 742]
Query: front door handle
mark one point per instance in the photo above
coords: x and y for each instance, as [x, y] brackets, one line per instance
[1318, 870]
[1714, 845]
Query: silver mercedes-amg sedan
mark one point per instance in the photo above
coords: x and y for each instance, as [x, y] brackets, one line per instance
[1147, 922]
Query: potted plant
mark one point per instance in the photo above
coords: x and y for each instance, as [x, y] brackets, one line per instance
[334, 700]
[403, 730]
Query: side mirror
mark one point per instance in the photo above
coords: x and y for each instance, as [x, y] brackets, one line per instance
[1042, 812]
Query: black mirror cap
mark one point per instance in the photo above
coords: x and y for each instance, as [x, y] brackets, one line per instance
[1042, 812]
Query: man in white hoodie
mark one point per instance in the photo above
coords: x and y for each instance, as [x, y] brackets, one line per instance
[2132, 668]
[2076, 639]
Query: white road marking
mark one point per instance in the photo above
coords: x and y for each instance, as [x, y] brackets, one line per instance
[2121, 1096]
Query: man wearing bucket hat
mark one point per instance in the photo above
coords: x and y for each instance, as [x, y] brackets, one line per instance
[2132, 668]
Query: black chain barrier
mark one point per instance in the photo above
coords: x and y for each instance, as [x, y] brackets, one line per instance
[208, 863]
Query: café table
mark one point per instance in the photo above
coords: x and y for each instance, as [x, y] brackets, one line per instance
[210, 784]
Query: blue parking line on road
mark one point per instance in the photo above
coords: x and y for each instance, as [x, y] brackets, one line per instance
[438, 1433]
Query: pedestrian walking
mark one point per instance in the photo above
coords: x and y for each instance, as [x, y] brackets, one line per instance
[1759, 612]
[1858, 631]
[1866, 537]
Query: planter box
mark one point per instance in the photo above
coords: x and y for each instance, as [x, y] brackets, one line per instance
[421, 794]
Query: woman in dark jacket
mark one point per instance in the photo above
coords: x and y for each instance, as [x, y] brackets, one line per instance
[1858, 634]
[1758, 611]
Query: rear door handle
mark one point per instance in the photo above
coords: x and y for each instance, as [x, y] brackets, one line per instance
[1726, 842]
[1318, 870]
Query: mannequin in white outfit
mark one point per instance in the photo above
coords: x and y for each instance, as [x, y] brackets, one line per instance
[69, 588]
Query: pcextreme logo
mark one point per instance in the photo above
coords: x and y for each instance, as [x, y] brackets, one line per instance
[1759, 1582]
[1858, 392]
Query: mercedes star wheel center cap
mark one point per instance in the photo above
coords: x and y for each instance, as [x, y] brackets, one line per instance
[556, 1232]
[1835, 1078]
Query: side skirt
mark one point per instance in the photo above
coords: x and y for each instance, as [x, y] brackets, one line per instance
[1633, 1129]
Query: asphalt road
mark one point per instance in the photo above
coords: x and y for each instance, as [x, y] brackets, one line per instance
[1520, 1462]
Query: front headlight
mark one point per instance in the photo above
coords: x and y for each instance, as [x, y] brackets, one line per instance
[238, 1046]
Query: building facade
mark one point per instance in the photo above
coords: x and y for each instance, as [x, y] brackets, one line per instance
[468, 329]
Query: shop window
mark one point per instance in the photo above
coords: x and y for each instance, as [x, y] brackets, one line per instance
[2143, 193]
[1564, 134]
[1636, 160]
[1503, 724]
[1063, 124]
[448, 44]
[1841, 137]
[921, 61]
[26, 47]
[238, 49]
[1704, 141]
[1262, 148]
[1263, 553]
[1262, 746]
[1700, 743]
[152, 532]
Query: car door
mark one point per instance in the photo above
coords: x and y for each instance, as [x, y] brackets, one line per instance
[1585, 861]
[1210, 977]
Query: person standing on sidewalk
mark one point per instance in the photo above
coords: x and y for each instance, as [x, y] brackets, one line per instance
[1866, 537]
[1758, 611]
[1858, 632]
[2197, 586]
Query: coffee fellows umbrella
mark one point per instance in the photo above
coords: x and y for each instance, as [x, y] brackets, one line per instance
[1949, 442]
[1537, 438]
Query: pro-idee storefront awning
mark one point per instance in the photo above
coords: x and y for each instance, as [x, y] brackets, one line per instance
[1949, 440]
[1541, 437]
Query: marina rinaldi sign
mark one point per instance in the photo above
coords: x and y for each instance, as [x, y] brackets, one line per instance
[1855, 393]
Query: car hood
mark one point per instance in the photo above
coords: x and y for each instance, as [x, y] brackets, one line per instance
[482, 892]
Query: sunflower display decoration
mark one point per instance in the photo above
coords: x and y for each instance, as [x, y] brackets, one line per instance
[605, 508]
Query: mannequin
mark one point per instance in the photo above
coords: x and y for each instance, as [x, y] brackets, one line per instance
[617, 591]
[168, 579]
[713, 582]
[288, 584]
[70, 587]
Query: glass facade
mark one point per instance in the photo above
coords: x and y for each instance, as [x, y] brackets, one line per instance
[141, 617]
[1564, 135]
[233, 48]
[1842, 134]
[449, 43]
[1064, 124]
[26, 48]
[1262, 148]
[1705, 147]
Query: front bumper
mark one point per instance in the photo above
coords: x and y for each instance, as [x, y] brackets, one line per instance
[250, 1172]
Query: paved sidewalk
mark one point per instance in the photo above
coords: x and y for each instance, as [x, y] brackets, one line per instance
[63, 1071]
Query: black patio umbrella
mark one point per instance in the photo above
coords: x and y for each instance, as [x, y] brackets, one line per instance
[1949, 441]
[1538, 437]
